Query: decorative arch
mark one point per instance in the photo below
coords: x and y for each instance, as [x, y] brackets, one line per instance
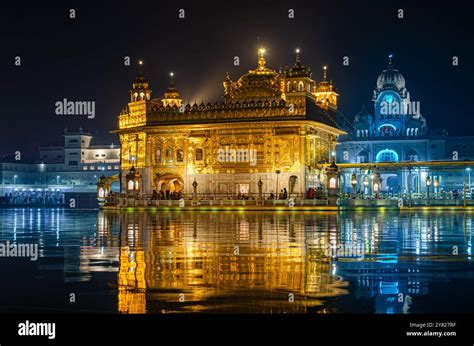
[387, 129]
[386, 155]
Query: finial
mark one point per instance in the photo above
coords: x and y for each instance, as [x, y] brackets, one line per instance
[227, 76]
[140, 65]
[298, 61]
[325, 72]
[390, 60]
[261, 58]
[171, 78]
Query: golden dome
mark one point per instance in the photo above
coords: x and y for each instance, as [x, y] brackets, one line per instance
[140, 82]
[171, 96]
[259, 83]
[171, 93]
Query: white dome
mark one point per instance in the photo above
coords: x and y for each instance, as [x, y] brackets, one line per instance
[390, 79]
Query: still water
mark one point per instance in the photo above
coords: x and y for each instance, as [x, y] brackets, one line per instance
[238, 262]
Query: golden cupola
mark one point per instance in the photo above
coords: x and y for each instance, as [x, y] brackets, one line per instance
[325, 92]
[260, 83]
[298, 77]
[171, 96]
[140, 88]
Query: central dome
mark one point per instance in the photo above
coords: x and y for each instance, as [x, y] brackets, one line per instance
[390, 78]
[259, 83]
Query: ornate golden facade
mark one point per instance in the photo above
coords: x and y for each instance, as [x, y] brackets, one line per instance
[284, 119]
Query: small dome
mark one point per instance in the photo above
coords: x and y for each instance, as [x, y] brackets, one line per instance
[298, 70]
[140, 82]
[390, 78]
[171, 93]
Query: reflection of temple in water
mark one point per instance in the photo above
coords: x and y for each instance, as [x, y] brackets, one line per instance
[250, 262]
[222, 262]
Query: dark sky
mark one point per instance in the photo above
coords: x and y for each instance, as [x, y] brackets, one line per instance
[82, 59]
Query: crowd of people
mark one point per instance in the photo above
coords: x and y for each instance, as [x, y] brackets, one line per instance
[165, 195]
[312, 193]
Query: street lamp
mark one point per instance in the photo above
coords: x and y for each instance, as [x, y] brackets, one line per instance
[435, 185]
[468, 170]
[276, 190]
[428, 183]
[366, 184]
[354, 184]
[195, 185]
[260, 185]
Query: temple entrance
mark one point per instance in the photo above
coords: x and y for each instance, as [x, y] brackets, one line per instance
[170, 182]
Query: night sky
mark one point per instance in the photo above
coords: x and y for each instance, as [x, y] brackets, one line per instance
[82, 59]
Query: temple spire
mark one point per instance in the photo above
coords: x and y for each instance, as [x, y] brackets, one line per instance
[261, 58]
[298, 60]
[171, 79]
[140, 67]
[325, 73]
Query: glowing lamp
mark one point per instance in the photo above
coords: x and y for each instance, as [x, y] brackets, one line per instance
[353, 180]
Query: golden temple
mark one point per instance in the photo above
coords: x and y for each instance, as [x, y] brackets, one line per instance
[273, 131]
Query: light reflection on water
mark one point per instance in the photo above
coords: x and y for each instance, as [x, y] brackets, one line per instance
[165, 262]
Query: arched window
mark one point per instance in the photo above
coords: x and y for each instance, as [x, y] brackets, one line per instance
[157, 156]
[332, 183]
[199, 154]
[288, 86]
[300, 86]
[386, 155]
[179, 155]
[169, 154]
[358, 133]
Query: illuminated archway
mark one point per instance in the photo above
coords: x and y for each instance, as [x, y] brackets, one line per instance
[386, 155]
[170, 182]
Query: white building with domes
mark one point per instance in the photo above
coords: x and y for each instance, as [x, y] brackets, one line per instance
[395, 131]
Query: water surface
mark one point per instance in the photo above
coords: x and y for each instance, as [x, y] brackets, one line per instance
[238, 262]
